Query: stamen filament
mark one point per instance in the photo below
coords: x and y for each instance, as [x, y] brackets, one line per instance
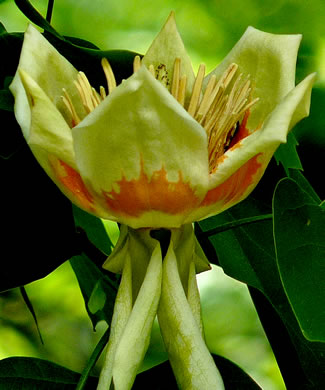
[136, 63]
[176, 75]
[182, 90]
[152, 70]
[111, 82]
[196, 90]
[219, 109]
[203, 108]
[68, 103]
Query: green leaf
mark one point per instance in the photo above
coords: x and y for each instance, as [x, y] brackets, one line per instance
[247, 253]
[287, 154]
[31, 310]
[162, 377]
[304, 184]
[98, 289]
[98, 286]
[94, 229]
[6, 100]
[299, 231]
[92, 360]
[37, 217]
[31, 373]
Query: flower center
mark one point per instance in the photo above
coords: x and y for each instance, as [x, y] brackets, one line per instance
[219, 107]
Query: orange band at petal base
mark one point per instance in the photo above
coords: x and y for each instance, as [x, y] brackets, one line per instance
[72, 181]
[232, 190]
[141, 195]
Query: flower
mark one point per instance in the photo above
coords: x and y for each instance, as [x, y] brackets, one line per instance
[165, 147]
[161, 150]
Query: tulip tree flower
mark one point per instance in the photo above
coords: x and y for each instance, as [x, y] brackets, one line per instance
[161, 150]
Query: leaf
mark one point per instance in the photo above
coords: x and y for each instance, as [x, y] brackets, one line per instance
[94, 229]
[162, 377]
[299, 230]
[287, 154]
[247, 253]
[304, 184]
[98, 290]
[31, 373]
[38, 229]
[31, 310]
[98, 286]
[6, 100]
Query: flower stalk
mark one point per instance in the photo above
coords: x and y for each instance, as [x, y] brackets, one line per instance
[165, 286]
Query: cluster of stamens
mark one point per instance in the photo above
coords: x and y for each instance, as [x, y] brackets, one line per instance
[218, 109]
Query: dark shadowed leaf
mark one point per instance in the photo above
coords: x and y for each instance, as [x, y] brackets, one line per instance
[38, 232]
[22, 373]
[299, 231]
[287, 153]
[247, 253]
[162, 377]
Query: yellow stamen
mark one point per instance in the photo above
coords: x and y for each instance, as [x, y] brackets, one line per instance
[102, 92]
[219, 108]
[196, 90]
[205, 103]
[68, 103]
[182, 90]
[136, 63]
[111, 82]
[176, 75]
[152, 70]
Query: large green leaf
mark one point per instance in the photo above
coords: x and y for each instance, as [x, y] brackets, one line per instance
[22, 373]
[247, 253]
[299, 232]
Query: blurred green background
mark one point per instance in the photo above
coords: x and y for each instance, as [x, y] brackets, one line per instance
[209, 29]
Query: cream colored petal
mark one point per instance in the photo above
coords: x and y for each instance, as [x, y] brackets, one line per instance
[165, 48]
[122, 311]
[270, 60]
[47, 129]
[136, 335]
[49, 69]
[244, 164]
[143, 149]
[190, 358]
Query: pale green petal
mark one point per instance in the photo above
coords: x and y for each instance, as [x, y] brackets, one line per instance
[270, 60]
[190, 358]
[115, 261]
[49, 69]
[193, 297]
[293, 107]
[136, 336]
[168, 46]
[47, 129]
[262, 143]
[141, 129]
[121, 315]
